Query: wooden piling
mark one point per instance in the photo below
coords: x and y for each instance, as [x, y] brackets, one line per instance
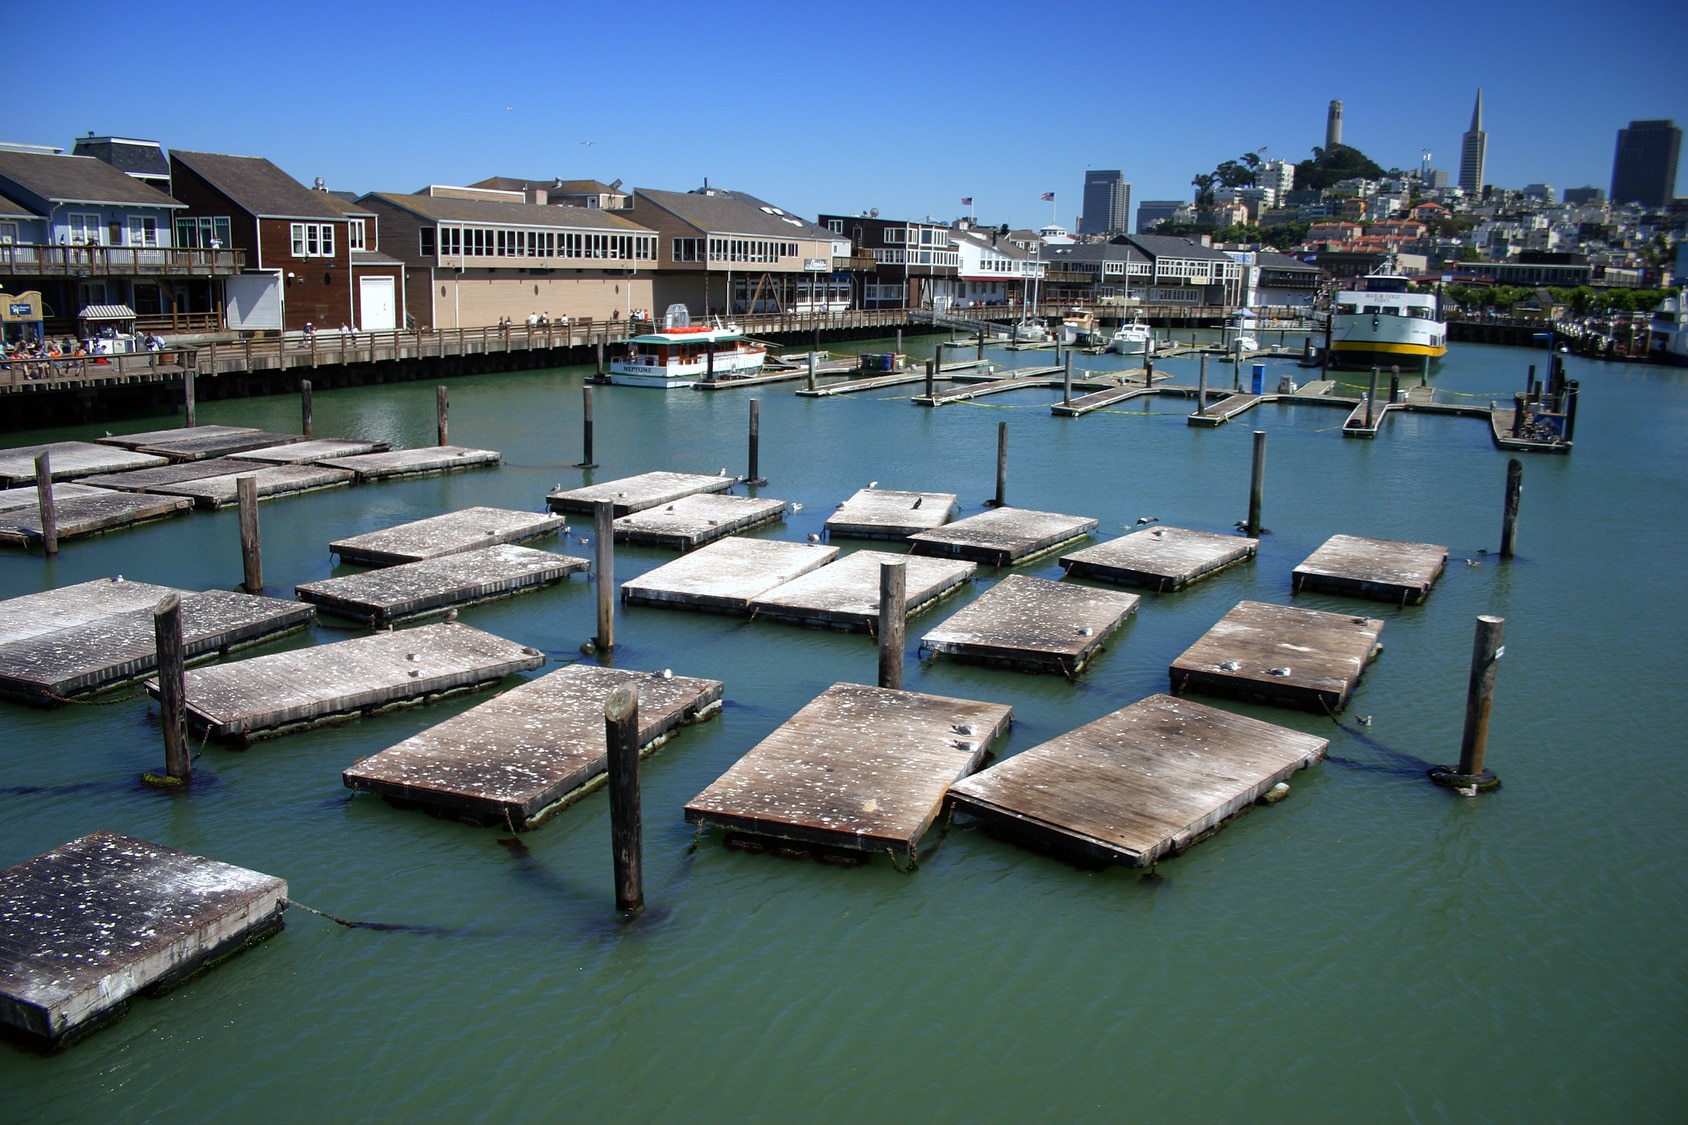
[1067, 380]
[1424, 372]
[1509, 520]
[190, 409]
[1001, 465]
[586, 461]
[709, 362]
[1520, 411]
[1486, 651]
[1394, 384]
[1371, 399]
[893, 614]
[603, 533]
[172, 690]
[600, 346]
[621, 742]
[1256, 485]
[1201, 388]
[246, 496]
[1573, 391]
[930, 364]
[1306, 350]
[305, 407]
[899, 341]
[1530, 381]
[754, 476]
[981, 352]
[44, 498]
[442, 407]
[1324, 356]
[811, 369]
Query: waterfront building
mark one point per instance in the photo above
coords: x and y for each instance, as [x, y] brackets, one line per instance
[1473, 150]
[994, 268]
[1533, 268]
[377, 278]
[1333, 124]
[1153, 211]
[144, 160]
[1184, 271]
[1096, 273]
[476, 256]
[1644, 165]
[558, 192]
[1275, 280]
[1107, 203]
[909, 264]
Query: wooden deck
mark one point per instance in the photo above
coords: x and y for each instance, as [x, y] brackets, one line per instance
[286, 691]
[1501, 419]
[179, 433]
[692, 521]
[69, 459]
[726, 576]
[201, 446]
[1139, 785]
[299, 452]
[1003, 536]
[516, 759]
[1224, 410]
[1383, 570]
[636, 493]
[448, 534]
[167, 476]
[28, 496]
[1033, 625]
[415, 589]
[415, 462]
[1159, 558]
[88, 925]
[51, 665]
[1106, 397]
[859, 768]
[68, 606]
[211, 493]
[874, 513]
[1280, 655]
[845, 595]
[854, 386]
[1017, 379]
[88, 514]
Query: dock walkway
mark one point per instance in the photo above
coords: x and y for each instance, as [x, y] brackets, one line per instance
[1003, 536]
[692, 521]
[727, 576]
[1033, 624]
[636, 493]
[88, 513]
[414, 589]
[1280, 655]
[1384, 570]
[1161, 558]
[447, 534]
[422, 461]
[886, 513]
[844, 595]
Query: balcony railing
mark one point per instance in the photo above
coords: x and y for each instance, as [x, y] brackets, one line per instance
[29, 260]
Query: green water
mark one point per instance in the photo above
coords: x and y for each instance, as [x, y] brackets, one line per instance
[1372, 947]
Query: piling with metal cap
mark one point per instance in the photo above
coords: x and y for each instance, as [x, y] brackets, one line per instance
[1486, 650]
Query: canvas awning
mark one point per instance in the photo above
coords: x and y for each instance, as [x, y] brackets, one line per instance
[106, 312]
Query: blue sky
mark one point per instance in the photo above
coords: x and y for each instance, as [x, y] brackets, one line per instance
[907, 107]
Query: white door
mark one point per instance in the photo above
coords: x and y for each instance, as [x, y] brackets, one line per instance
[377, 310]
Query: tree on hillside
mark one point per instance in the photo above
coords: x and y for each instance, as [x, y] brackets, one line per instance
[1339, 162]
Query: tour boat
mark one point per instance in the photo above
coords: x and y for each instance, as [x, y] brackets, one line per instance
[681, 354]
[1382, 323]
[1131, 339]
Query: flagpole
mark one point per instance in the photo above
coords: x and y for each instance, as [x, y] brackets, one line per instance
[1051, 208]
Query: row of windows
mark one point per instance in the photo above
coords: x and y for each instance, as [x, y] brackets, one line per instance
[313, 240]
[497, 242]
[205, 232]
[750, 250]
[924, 236]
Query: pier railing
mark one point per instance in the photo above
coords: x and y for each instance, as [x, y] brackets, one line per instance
[30, 260]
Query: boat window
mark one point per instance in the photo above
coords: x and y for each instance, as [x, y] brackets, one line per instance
[1419, 312]
[1373, 309]
[1347, 309]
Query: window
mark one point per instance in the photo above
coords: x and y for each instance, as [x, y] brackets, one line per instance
[8, 233]
[426, 237]
[203, 232]
[313, 240]
[836, 226]
[84, 229]
[143, 230]
[354, 235]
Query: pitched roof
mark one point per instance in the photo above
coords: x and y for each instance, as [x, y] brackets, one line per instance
[256, 185]
[555, 185]
[1172, 246]
[345, 203]
[446, 209]
[731, 212]
[77, 179]
[143, 157]
[11, 210]
[1092, 252]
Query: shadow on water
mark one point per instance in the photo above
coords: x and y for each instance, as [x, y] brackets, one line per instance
[1396, 762]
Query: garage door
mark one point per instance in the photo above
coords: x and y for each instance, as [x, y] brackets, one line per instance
[377, 311]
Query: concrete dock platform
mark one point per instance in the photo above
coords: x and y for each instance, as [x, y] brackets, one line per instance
[164, 476]
[636, 493]
[1003, 536]
[286, 691]
[201, 446]
[860, 769]
[845, 595]
[69, 460]
[875, 513]
[447, 534]
[88, 925]
[1160, 558]
[726, 576]
[515, 760]
[179, 433]
[316, 449]
[65, 607]
[415, 462]
[1139, 785]
[88, 514]
[1033, 624]
[1224, 410]
[1280, 655]
[1383, 570]
[272, 481]
[692, 521]
[28, 496]
[394, 593]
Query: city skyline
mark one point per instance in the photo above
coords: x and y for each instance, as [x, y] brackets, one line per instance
[413, 104]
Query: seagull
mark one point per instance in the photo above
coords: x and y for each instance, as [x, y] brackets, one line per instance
[119, 578]
[558, 487]
[965, 729]
[588, 144]
[1472, 562]
[873, 484]
[814, 538]
[668, 673]
[1365, 720]
[450, 616]
[1230, 666]
[916, 504]
[585, 542]
[1141, 520]
[1158, 532]
[1085, 631]
[796, 507]
[1278, 671]
[670, 508]
[722, 471]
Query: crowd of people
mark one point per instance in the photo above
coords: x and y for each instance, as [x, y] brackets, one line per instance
[43, 355]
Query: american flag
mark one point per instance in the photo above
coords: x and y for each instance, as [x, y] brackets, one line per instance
[967, 201]
[1049, 197]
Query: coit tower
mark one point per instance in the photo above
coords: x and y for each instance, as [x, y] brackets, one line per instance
[1333, 125]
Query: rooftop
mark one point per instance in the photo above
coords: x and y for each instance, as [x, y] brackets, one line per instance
[256, 185]
[732, 212]
[447, 209]
[75, 179]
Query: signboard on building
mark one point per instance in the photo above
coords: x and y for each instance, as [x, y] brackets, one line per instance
[816, 265]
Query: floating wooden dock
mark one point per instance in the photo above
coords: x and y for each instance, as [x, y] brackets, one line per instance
[1003, 536]
[414, 589]
[88, 925]
[726, 576]
[1017, 379]
[1106, 397]
[68, 606]
[1501, 419]
[535, 749]
[200, 446]
[855, 386]
[875, 513]
[299, 452]
[179, 433]
[69, 459]
[271, 481]
[167, 476]
[29, 496]
[1384, 570]
[286, 691]
[415, 462]
[50, 665]
[1224, 410]
[88, 514]
[692, 521]
[845, 595]
[1139, 785]
[1159, 559]
[859, 768]
[448, 534]
[1281, 655]
[1033, 624]
[635, 494]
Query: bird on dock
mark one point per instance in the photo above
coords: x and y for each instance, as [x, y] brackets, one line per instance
[668, 673]
[450, 616]
[873, 484]
[814, 538]
[722, 471]
[1085, 631]
[967, 729]
[916, 503]
[1141, 520]
[1230, 666]
[670, 508]
[1278, 671]
[1158, 532]
[119, 578]
[558, 487]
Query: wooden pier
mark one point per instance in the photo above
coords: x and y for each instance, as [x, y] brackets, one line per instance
[200, 446]
[1159, 559]
[1280, 655]
[636, 493]
[1224, 410]
[1099, 400]
[859, 769]
[1003, 536]
[415, 462]
[70, 459]
[179, 433]
[726, 576]
[88, 514]
[845, 595]
[415, 589]
[874, 513]
[1018, 379]
[1383, 570]
[1139, 785]
[60, 645]
[29, 496]
[286, 691]
[168, 475]
[447, 534]
[515, 760]
[211, 493]
[88, 925]
[1501, 419]
[299, 452]
[854, 386]
[692, 521]
[1033, 625]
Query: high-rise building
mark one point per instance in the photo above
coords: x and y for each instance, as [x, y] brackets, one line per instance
[1644, 166]
[1473, 150]
[1152, 211]
[1580, 195]
[1333, 124]
[1107, 203]
[1279, 175]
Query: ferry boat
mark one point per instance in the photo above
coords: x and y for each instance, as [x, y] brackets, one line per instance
[1382, 323]
[1668, 330]
[1131, 339]
[678, 354]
